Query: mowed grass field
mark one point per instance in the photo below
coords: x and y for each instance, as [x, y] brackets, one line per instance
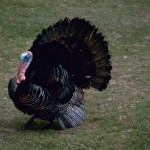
[117, 118]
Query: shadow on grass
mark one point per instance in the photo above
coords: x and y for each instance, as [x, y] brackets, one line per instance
[17, 125]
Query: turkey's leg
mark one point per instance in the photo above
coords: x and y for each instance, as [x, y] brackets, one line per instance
[29, 123]
[49, 126]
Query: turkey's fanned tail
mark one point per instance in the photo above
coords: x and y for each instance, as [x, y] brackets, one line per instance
[86, 57]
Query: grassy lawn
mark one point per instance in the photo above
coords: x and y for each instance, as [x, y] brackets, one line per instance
[116, 119]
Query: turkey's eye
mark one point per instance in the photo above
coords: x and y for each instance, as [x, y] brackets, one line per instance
[25, 57]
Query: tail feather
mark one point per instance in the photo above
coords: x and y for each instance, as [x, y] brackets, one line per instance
[87, 52]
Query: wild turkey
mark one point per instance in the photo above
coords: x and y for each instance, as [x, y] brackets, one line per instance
[64, 59]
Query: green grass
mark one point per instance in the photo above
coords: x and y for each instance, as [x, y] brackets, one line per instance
[116, 119]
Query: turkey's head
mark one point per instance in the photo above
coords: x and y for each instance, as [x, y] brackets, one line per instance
[25, 61]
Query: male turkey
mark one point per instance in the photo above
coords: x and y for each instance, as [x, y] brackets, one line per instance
[64, 59]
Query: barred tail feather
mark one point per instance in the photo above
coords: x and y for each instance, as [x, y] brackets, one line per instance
[73, 117]
[74, 111]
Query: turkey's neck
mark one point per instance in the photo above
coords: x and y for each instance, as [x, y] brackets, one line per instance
[21, 72]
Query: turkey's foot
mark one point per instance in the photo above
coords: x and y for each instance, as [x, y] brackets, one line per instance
[29, 124]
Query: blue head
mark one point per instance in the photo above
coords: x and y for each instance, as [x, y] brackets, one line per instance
[26, 59]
